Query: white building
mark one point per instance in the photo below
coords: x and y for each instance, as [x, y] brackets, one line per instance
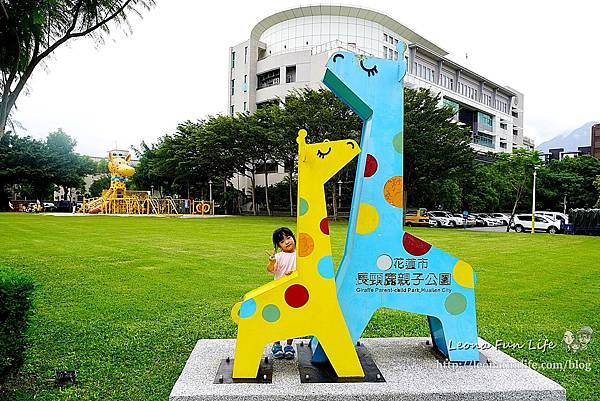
[289, 50]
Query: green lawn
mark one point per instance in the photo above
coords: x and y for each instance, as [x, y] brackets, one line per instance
[124, 300]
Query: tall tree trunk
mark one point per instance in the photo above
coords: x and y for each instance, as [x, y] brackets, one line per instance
[3, 118]
[224, 201]
[253, 192]
[512, 215]
[291, 195]
[267, 190]
[334, 201]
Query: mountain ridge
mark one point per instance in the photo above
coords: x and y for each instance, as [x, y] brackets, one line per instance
[570, 141]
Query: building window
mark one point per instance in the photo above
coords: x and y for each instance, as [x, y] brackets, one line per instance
[232, 87]
[515, 114]
[503, 145]
[484, 140]
[385, 37]
[232, 59]
[485, 122]
[385, 52]
[290, 74]
[447, 82]
[245, 106]
[268, 78]
[246, 55]
[503, 126]
[231, 109]
[452, 105]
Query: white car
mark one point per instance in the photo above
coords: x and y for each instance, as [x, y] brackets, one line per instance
[454, 221]
[522, 222]
[483, 219]
[500, 216]
[49, 207]
[471, 221]
[559, 217]
[440, 220]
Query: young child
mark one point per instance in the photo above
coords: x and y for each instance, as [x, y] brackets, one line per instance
[281, 264]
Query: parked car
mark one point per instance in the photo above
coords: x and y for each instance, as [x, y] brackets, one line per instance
[484, 220]
[440, 220]
[454, 221]
[500, 216]
[416, 217]
[471, 221]
[49, 207]
[560, 217]
[522, 222]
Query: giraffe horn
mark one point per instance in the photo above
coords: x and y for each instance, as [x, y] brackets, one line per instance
[301, 139]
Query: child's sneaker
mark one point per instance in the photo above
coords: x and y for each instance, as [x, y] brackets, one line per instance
[289, 352]
[277, 351]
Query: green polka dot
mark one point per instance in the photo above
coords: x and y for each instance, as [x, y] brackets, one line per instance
[303, 206]
[399, 142]
[271, 313]
[456, 303]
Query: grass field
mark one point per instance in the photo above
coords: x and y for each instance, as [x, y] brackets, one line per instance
[124, 300]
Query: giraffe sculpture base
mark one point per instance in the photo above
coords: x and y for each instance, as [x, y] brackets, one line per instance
[411, 370]
[323, 372]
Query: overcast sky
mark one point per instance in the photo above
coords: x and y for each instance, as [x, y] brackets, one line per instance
[174, 66]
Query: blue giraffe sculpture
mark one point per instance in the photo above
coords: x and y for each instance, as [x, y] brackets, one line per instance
[383, 266]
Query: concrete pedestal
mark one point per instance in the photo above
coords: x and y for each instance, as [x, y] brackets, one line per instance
[411, 370]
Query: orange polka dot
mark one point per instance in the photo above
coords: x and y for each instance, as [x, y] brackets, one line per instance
[393, 191]
[305, 245]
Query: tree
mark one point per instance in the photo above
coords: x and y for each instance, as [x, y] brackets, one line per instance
[30, 30]
[24, 162]
[36, 166]
[570, 179]
[99, 185]
[67, 167]
[517, 169]
[436, 151]
[323, 116]
[597, 185]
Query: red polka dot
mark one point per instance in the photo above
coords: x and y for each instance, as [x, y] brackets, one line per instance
[370, 166]
[415, 246]
[296, 295]
[324, 226]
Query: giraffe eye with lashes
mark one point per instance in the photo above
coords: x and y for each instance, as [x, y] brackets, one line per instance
[323, 154]
[370, 71]
[338, 56]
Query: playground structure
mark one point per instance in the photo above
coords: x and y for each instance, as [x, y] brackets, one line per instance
[117, 200]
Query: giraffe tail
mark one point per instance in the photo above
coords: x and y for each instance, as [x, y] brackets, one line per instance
[235, 312]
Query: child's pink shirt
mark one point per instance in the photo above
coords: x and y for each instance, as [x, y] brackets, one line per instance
[285, 263]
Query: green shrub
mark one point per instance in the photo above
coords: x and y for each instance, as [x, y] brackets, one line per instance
[15, 309]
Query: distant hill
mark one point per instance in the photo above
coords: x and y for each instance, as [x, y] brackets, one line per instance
[570, 141]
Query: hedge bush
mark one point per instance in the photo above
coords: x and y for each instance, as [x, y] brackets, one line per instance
[15, 310]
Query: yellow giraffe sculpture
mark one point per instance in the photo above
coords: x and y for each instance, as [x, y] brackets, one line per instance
[305, 302]
[119, 169]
